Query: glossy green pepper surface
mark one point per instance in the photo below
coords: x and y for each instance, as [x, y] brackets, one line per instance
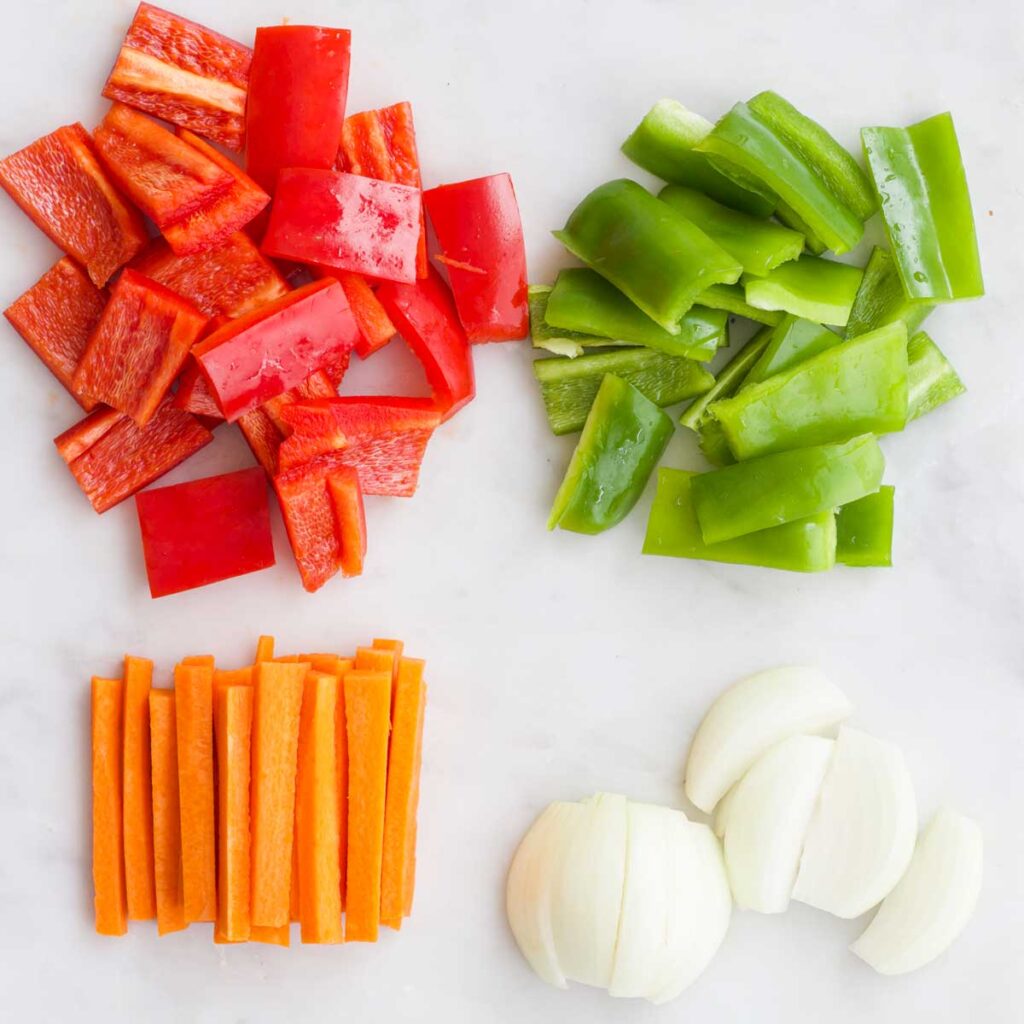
[931, 379]
[881, 300]
[793, 341]
[864, 529]
[558, 340]
[811, 287]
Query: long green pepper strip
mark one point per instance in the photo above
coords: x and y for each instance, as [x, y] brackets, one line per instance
[622, 441]
[794, 340]
[732, 299]
[780, 488]
[919, 176]
[881, 299]
[650, 252]
[931, 379]
[555, 339]
[864, 529]
[811, 287]
[804, 545]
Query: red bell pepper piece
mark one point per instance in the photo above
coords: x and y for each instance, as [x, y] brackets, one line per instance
[231, 279]
[205, 531]
[111, 457]
[375, 327]
[481, 236]
[56, 316]
[383, 438]
[59, 182]
[350, 517]
[342, 220]
[427, 320]
[298, 85]
[138, 346]
[193, 393]
[382, 144]
[184, 73]
[266, 352]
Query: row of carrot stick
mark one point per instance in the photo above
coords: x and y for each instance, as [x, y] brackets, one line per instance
[284, 791]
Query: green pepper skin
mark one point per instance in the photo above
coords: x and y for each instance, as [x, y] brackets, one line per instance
[713, 444]
[919, 177]
[794, 340]
[622, 441]
[759, 245]
[864, 529]
[583, 301]
[663, 142]
[650, 252]
[740, 138]
[555, 339]
[855, 387]
[731, 298]
[780, 488]
[881, 299]
[788, 216]
[568, 386]
[815, 289]
[805, 545]
[931, 379]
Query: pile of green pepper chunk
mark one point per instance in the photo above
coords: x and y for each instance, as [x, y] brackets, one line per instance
[792, 421]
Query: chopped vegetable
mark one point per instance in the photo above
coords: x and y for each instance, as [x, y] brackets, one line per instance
[931, 379]
[816, 289]
[347, 498]
[793, 341]
[167, 839]
[881, 299]
[140, 883]
[375, 329]
[110, 899]
[732, 299]
[555, 339]
[864, 529]
[624, 436]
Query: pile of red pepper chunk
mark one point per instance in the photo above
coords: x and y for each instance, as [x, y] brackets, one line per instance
[195, 293]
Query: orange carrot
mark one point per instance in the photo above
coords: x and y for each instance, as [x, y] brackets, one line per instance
[110, 900]
[316, 812]
[375, 659]
[170, 902]
[403, 792]
[294, 902]
[391, 645]
[138, 791]
[367, 715]
[275, 740]
[193, 686]
[223, 677]
[202, 660]
[265, 649]
[279, 936]
[232, 724]
[345, 665]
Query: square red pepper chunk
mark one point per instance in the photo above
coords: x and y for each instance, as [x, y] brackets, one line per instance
[205, 531]
[346, 221]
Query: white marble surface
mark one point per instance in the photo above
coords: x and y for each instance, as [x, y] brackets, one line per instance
[559, 664]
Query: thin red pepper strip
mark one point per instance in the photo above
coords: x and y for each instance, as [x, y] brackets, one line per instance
[111, 457]
[193, 393]
[298, 85]
[382, 144]
[59, 182]
[375, 327]
[184, 73]
[478, 226]
[138, 346]
[427, 320]
[350, 518]
[205, 531]
[55, 317]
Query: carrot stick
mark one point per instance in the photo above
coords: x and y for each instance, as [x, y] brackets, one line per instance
[140, 882]
[316, 812]
[375, 659]
[170, 901]
[332, 664]
[403, 792]
[275, 740]
[110, 897]
[202, 660]
[367, 716]
[223, 677]
[294, 903]
[279, 936]
[265, 649]
[193, 685]
[390, 645]
[232, 724]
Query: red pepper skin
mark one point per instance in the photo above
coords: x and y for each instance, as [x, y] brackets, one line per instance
[205, 531]
[112, 458]
[382, 144]
[481, 236]
[350, 518]
[55, 317]
[193, 393]
[427, 320]
[298, 85]
[310, 519]
[138, 346]
[184, 73]
[59, 182]
[231, 279]
[375, 327]
[345, 221]
[267, 352]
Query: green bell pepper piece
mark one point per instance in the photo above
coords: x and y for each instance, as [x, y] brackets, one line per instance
[881, 299]
[732, 299]
[743, 140]
[793, 341]
[650, 252]
[816, 289]
[780, 488]
[568, 386]
[854, 387]
[713, 443]
[729, 378]
[583, 301]
[622, 440]
[931, 379]
[864, 529]
[804, 545]
[555, 339]
[919, 176]
[836, 166]
[787, 216]
[663, 142]
[758, 245]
